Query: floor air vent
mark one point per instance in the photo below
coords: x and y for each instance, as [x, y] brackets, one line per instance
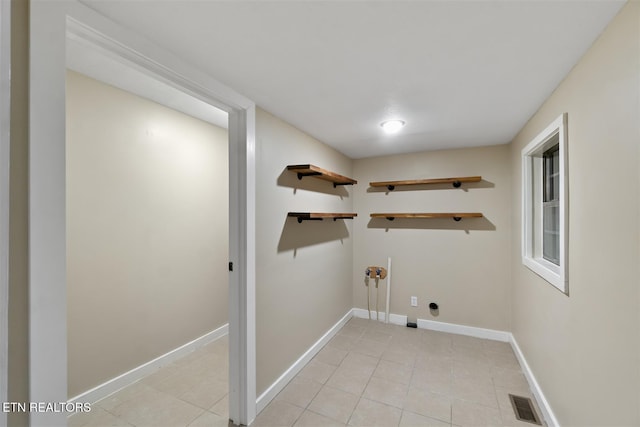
[523, 407]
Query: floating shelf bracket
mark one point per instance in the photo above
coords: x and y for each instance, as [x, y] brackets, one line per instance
[319, 216]
[301, 218]
[302, 174]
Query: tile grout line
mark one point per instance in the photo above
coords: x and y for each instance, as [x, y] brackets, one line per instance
[306, 408]
[365, 387]
[322, 385]
[153, 387]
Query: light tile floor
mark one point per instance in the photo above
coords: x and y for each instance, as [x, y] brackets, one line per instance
[189, 392]
[369, 374]
[373, 374]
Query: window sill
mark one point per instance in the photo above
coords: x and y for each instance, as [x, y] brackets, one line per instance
[548, 271]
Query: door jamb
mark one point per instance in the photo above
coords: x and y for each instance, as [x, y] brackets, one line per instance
[5, 164]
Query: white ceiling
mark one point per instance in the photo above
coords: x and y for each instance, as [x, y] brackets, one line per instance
[460, 73]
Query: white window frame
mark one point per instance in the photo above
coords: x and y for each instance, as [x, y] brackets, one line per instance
[532, 184]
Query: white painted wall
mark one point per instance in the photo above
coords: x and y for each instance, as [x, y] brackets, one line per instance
[303, 270]
[584, 349]
[147, 230]
[463, 266]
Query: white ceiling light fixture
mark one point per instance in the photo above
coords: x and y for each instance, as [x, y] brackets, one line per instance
[392, 126]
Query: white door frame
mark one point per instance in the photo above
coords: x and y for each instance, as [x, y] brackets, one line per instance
[5, 143]
[50, 24]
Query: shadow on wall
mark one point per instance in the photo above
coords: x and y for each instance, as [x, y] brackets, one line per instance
[464, 187]
[308, 233]
[466, 224]
[290, 179]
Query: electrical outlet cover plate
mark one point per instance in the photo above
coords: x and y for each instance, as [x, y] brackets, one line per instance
[414, 301]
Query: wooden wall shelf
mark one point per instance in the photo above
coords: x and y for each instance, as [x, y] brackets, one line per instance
[319, 216]
[457, 216]
[316, 172]
[455, 181]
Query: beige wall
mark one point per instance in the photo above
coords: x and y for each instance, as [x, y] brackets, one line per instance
[18, 380]
[463, 266]
[303, 270]
[147, 230]
[584, 349]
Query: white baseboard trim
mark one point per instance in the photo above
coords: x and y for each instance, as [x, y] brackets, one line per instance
[396, 319]
[130, 377]
[543, 404]
[471, 331]
[297, 366]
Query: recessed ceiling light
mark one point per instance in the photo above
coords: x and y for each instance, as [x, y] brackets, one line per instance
[392, 126]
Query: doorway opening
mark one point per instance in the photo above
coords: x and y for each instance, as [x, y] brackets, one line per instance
[147, 246]
[53, 26]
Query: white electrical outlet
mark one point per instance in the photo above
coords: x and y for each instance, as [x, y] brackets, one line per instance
[414, 301]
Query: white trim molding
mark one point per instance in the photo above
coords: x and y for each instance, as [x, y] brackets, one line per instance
[532, 201]
[472, 331]
[297, 366]
[5, 163]
[543, 403]
[396, 319]
[47, 222]
[242, 298]
[113, 385]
